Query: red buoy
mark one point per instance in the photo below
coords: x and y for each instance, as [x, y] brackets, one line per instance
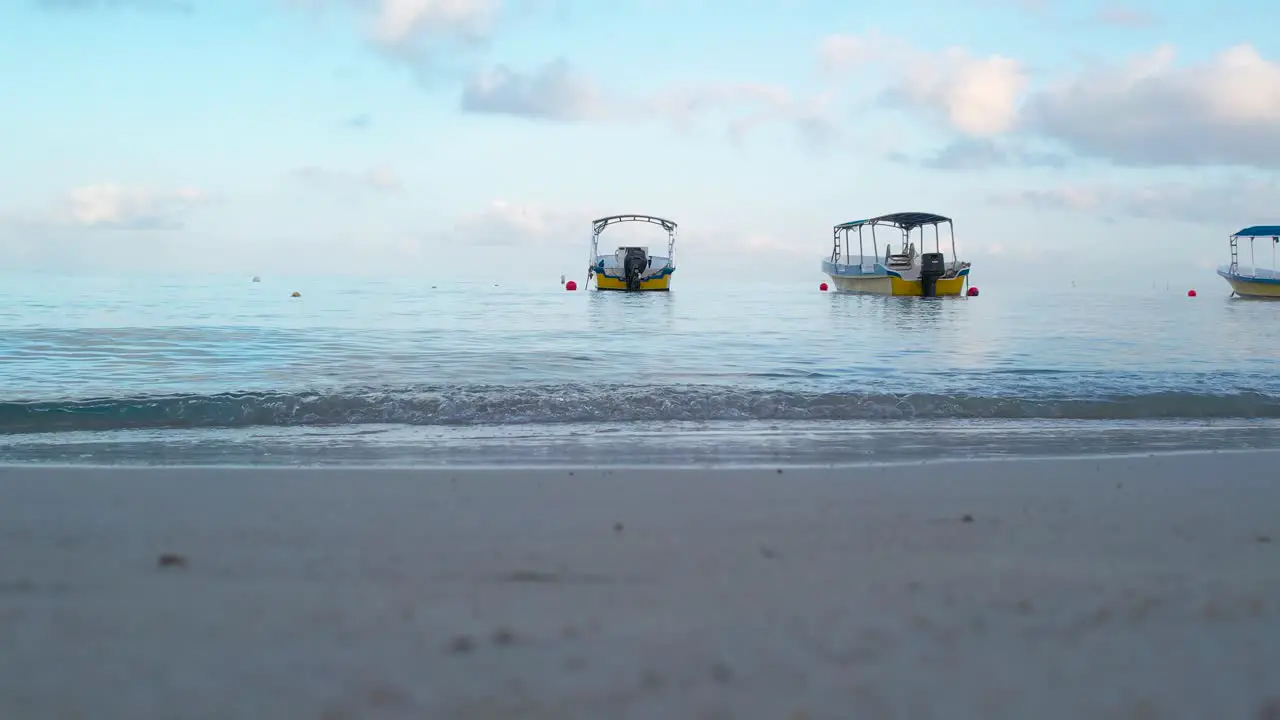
[973, 292]
[823, 287]
[1191, 293]
[571, 285]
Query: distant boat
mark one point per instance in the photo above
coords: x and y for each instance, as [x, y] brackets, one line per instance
[1252, 280]
[632, 268]
[904, 273]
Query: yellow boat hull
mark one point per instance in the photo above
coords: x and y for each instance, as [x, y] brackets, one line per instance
[897, 287]
[1246, 286]
[1253, 289]
[660, 283]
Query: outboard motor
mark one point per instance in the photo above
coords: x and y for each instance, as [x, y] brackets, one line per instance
[932, 267]
[633, 266]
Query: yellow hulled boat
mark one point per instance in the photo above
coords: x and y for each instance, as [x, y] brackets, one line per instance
[1252, 280]
[632, 268]
[904, 273]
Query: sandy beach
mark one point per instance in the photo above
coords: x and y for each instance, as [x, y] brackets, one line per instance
[1116, 588]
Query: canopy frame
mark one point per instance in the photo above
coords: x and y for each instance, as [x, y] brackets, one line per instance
[598, 226]
[905, 222]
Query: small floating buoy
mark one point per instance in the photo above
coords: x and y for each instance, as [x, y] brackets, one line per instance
[571, 285]
[973, 292]
[296, 294]
[823, 287]
[257, 279]
[1191, 293]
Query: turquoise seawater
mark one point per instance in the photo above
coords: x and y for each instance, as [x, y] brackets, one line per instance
[227, 371]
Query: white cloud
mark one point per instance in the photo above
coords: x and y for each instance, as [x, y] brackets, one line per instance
[1241, 201]
[399, 22]
[557, 92]
[977, 96]
[839, 54]
[416, 33]
[746, 107]
[134, 208]
[1153, 112]
[504, 223]
[378, 179]
[553, 92]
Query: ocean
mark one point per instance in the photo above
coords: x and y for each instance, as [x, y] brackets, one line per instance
[224, 371]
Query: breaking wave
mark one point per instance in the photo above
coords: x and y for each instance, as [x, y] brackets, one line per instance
[493, 405]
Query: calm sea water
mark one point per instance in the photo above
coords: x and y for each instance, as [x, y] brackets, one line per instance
[224, 370]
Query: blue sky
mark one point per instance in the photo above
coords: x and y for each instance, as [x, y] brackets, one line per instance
[445, 137]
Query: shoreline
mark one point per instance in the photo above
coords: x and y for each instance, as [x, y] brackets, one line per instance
[639, 467]
[1139, 586]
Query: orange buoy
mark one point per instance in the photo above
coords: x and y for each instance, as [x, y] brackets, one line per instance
[973, 292]
[571, 285]
[823, 287]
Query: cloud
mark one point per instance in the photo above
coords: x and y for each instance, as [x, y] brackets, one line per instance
[1225, 111]
[362, 121]
[417, 33]
[981, 153]
[378, 179]
[839, 54]
[1117, 15]
[1222, 204]
[746, 107]
[130, 208]
[553, 92]
[977, 96]
[505, 224]
[1151, 112]
[557, 92]
[181, 6]
[401, 22]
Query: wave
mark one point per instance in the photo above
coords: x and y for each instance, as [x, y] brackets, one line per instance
[492, 405]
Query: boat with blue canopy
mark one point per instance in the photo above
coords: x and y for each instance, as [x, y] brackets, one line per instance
[906, 272]
[1254, 280]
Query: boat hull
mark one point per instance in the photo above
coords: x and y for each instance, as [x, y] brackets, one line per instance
[1253, 287]
[891, 285]
[658, 283]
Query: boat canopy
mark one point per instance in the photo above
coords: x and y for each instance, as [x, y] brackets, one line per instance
[905, 220]
[1259, 231]
[598, 226]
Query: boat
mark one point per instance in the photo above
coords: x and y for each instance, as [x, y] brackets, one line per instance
[1253, 281]
[904, 273]
[631, 267]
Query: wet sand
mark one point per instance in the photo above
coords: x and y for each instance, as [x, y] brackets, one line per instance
[1119, 588]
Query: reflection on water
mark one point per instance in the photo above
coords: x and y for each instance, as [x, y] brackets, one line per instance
[632, 311]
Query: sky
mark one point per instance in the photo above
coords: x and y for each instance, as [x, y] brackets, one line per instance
[476, 138]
